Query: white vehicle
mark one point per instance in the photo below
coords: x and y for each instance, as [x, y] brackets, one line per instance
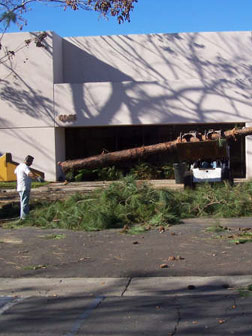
[208, 171]
[208, 159]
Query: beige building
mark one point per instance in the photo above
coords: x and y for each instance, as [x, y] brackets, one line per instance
[66, 98]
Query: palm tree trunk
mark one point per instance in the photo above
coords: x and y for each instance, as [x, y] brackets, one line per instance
[109, 159]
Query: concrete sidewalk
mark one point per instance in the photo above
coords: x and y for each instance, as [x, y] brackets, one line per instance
[122, 307]
[154, 286]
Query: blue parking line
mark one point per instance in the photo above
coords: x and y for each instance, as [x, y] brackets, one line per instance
[6, 302]
[93, 305]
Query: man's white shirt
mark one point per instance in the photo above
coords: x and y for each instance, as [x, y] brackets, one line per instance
[23, 180]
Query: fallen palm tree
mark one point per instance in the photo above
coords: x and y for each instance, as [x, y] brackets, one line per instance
[199, 145]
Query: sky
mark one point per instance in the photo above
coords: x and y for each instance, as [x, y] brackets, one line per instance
[149, 16]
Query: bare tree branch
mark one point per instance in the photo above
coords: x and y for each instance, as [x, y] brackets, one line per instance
[13, 11]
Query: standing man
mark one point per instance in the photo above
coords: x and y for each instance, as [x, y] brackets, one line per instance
[24, 179]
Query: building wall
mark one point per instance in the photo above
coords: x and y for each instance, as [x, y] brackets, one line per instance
[57, 58]
[38, 142]
[157, 78]
[118, 80]
[157, 57]
[248, 151]
[26, 87]
[27, 99]
[143, 103]
[60, 150]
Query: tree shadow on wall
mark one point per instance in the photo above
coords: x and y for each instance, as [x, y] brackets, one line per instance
[26, 100]
[191, 78]
[17, 85]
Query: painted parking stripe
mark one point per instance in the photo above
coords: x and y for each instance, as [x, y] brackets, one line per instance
[6, 302]
[93, 305]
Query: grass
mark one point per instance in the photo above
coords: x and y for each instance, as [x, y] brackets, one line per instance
[245, 291]
[8, 185]
[34, 267]
[54, 236]
[216, 228]
[139, 207]
[219, 201]
[137, 229]
[242, 238]
[121, 203]
[244, 235]
[13, 185]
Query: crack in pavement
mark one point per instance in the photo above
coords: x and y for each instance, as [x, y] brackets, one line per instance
[177, 323]
[127, 286]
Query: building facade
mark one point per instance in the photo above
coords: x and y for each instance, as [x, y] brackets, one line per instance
[54, 88]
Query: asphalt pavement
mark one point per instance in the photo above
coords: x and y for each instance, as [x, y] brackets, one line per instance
[190, 279]
[215, 315]
[194, 248]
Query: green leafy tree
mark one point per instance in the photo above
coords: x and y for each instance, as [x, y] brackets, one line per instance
[13, 11]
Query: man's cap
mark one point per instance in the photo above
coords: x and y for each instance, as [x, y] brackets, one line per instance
[29, 158]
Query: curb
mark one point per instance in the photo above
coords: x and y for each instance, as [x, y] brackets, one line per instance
[155, 286]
